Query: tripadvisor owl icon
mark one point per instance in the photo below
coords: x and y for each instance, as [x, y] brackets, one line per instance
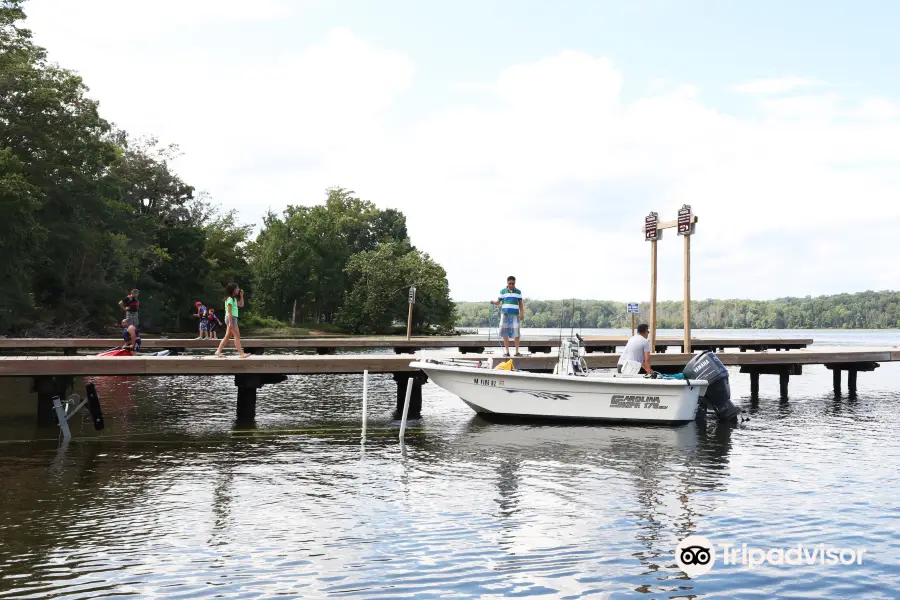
[695, 555]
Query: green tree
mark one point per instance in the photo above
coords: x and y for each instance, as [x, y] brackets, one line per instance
[379, 297]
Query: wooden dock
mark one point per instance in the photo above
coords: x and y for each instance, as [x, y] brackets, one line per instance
[400, 345]
[53, 375]
[33, 366]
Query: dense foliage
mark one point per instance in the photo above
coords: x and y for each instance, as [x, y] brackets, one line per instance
[349, 263]
[90, 212]
[874, 310]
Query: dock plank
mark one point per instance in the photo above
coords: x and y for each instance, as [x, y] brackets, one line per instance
[21, 366]
[351, 343]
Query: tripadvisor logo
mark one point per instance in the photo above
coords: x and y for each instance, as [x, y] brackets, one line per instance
[696, 555]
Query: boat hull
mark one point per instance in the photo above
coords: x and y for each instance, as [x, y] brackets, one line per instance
[498, 394]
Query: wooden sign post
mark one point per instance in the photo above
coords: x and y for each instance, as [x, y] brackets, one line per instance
[686, 228]
[652, 233]
[412, 300]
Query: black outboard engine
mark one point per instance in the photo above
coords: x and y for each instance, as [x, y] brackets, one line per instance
[707, 365]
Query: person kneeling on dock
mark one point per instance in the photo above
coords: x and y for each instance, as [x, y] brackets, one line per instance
[132, 337]
[636, 357]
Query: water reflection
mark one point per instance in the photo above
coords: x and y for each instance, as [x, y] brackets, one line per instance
[177, 498]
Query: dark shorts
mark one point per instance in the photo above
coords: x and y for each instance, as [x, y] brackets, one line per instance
[131, 318]
[204, 325]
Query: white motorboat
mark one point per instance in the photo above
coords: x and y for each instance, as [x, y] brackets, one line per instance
[572, 392]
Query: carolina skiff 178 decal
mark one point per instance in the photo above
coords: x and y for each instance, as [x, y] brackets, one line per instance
[620, 401]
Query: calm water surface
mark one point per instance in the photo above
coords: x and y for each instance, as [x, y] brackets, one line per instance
[175, 500]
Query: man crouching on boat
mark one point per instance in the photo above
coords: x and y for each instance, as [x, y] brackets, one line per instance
[636, 357]
[132, 337]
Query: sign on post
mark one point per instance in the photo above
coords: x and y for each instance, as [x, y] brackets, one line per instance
[651, 230]
[685, 222]
[412, 300]
[633, 309]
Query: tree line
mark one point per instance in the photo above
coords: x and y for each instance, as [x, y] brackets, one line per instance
[864, 310]
[90, 211]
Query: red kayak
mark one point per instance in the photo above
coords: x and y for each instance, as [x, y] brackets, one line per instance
[126, 352]
[117, 352]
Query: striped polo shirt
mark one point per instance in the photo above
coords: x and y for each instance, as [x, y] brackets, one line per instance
[510, 301]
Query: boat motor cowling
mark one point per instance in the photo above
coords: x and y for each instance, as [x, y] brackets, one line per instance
[707, 366]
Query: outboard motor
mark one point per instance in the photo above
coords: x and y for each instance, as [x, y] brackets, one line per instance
[707, 365]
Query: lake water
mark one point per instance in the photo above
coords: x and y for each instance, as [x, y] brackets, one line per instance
[175, 500]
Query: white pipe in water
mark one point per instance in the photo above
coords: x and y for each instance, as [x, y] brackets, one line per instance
[365, 407]
[409, 386]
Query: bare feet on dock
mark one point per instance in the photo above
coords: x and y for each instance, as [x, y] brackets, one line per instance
[245, 355]
[218, 355]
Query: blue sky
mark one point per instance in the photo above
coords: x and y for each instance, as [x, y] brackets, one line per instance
[532, 137]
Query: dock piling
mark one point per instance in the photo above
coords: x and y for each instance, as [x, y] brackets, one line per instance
[783, 379]
[415, 401]
[247, 385]
[754, 384]
[836, 379]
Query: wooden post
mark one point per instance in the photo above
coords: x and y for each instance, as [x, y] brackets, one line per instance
[653, 295]
[754, 384]
[851, 382]
[409, 322]
[294, 315]
[836, 377]
[412, 300]
[632, 326]
[687, 294]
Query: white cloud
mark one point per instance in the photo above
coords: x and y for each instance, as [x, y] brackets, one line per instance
[776, 85]
[546, 171]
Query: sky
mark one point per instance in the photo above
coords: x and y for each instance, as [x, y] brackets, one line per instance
[532, 138]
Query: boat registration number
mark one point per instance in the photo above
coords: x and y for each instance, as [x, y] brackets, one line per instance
[488, 382]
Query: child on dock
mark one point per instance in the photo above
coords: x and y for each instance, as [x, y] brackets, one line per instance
[214, 324]
[203, 315]
[234, 300]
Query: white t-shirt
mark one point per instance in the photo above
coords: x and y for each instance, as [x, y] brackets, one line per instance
[634, 349]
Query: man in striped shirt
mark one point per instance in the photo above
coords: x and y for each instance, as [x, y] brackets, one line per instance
[511, 311]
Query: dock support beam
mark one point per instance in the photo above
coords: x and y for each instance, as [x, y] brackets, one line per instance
[47, 387]
[247, 386]
[784, 373]
[852, 370]
[415, 400]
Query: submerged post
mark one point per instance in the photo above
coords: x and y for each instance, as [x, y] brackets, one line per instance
[365, 406]
[836, 379]
[409, 387]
